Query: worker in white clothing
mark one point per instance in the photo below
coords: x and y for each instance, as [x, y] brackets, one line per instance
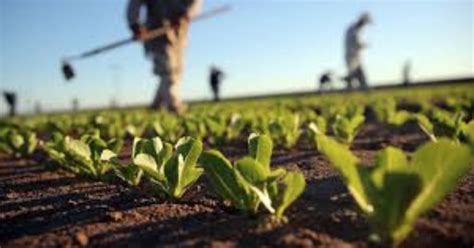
[354, 46]
[165, 51]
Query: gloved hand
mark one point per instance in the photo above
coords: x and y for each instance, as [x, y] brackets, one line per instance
[182, 20]
[138, 31]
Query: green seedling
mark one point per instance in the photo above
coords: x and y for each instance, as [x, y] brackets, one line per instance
[397, 190]
[17, 142]
[442, 124]
[88, 155]
[285, 130]
[250, 181]
[172, 173]
[345, 129]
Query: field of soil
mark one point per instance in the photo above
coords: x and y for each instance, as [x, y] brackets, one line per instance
[43, 206]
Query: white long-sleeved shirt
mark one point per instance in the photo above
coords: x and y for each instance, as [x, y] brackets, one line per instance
[353, 45]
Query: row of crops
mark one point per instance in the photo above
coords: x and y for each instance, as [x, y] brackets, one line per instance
[172, 152]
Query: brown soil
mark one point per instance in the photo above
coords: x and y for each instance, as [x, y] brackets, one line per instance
[41, 207]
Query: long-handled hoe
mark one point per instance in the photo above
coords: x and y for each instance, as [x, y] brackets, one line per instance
[68, 71]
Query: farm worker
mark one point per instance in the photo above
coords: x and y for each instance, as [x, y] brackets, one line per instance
[166, 51]
[354, 47]
[406, 71]
[10, 98]
[215, 79]
[325, 81]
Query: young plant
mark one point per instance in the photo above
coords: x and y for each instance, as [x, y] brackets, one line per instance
[396, 191]
[235, 126]
[346, 128]
[168, 128]
[129, 173]
[195, 128]
[88, 155]
[384, 109]
[443, 124]
[172, 173]
[250, 181]
[468, 132]
[285, 130]
[216, 126]
[17, 142]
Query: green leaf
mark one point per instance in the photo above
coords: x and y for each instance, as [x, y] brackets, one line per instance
[260, 148]
[347, 165]
[252, 171]
[264, 198]
[276, 174]
[399, 190]
[164, 156]
[115, 145]
[78, 148]
[222, 177]
[129, 173]
[182, 172]
[440, 166]
[294, 186]
[107, 155]
[16, 140]
[31, 144]
[400, 117]
[468, 132]
[391, 188]
[426, 126]
[148, 164]
[387, 161]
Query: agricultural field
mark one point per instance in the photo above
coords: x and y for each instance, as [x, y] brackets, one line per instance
[354, 169]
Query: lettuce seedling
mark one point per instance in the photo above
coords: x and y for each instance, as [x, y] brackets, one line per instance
[345, 129]
[17, 142]
[250, 181]
[285, 130]
[129, 172]
[425, 125]
[443, 124]
[234, 127]
[172, 173]
[88, 155]
[216, 127]
[222, 130]
[195, 128]
[168, 128]
[468, 132]
[396, 191]
[384, 109]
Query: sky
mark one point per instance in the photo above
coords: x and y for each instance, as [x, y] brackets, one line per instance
[263, 46]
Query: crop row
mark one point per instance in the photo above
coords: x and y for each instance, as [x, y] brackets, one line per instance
[392, 194]
[284, 124]
[168, 152]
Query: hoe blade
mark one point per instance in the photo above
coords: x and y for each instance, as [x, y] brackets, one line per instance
[68, 72]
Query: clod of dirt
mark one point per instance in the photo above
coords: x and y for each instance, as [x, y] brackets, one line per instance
[115, 216]
[11, 195]
[82, 238]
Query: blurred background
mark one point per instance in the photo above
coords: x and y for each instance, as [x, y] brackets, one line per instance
[263, 46]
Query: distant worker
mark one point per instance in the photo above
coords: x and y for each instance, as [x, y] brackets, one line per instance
[166, 51]
[354, 47]
[215, 79]
[10, 98]
[406, 73]
[38, 108]
[75, 104]
[325, 81]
